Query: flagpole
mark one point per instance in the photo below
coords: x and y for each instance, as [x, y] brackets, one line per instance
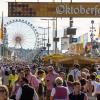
[3, 37]
[99, 32]
[2, 47]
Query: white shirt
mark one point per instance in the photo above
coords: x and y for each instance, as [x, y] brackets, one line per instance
[96, 87]
[98, 72]
[75, 73]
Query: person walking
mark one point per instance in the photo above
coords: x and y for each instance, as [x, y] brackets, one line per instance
[77, 94]
[42, 88]
[32, 79]
[4, 93]
[50, 81]
[75, 72]
[13, 77]
[60, 92]
[26, 92]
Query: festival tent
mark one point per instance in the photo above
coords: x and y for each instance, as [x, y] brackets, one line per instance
[54, 57]
[77, 59]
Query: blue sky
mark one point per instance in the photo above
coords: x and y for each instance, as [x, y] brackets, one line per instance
[82, 24]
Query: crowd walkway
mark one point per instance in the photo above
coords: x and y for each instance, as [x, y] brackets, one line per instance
[26, 82]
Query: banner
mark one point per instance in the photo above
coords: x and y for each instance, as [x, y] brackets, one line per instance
[99, 32]
[82, 38]
[53, 9]
[1, 37]
[79, 39]
[85, 39]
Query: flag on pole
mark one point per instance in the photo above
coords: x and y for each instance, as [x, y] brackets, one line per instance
[79, 39]
[1, 30]
[82, 38]
[85, 39]
[99, 32]
[0, 37]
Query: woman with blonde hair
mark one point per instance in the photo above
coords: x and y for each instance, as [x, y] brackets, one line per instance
[4, 93]
[59, 92]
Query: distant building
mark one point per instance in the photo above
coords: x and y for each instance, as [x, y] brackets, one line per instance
[23, 54]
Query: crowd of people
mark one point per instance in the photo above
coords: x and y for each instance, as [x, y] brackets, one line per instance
[24, 82]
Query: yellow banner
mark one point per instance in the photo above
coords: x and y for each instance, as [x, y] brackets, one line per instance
[99, 32]
[53, 9]
[1, 35]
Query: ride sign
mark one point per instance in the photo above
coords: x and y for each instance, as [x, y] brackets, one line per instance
[53, 9]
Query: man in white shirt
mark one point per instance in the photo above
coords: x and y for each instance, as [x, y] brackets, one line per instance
[75, 72]
[97, 91]
[98, 71]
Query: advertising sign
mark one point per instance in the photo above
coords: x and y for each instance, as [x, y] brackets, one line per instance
[53, 9]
